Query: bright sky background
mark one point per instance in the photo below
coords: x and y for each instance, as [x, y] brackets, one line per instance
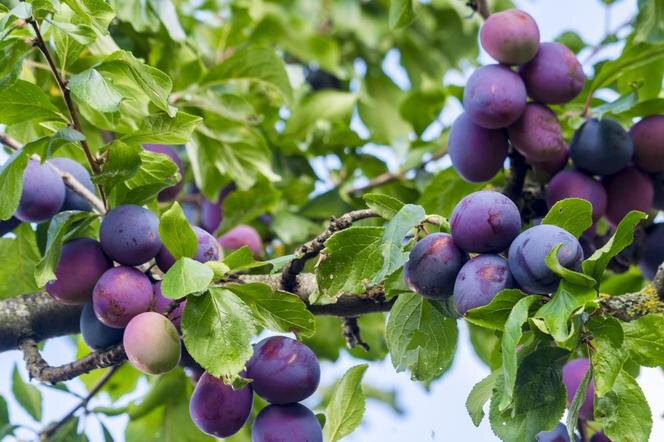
[437, 415]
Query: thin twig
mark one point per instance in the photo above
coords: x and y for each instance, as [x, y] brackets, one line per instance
[53, 428]
[9, 141]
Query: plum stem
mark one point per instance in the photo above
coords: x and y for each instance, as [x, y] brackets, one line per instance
[53, 428]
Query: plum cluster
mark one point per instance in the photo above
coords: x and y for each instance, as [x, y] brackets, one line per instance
[573, 373]
[283, 372]
[487, 224]
[495, 100]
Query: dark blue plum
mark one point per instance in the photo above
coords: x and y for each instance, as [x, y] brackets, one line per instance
[283, 370]
[477, 153]
[74, 201]
[573, 374]
[485, 222]
[96, 335]
[629, 189]
[601, 147]
[433, 265]
[528, 251]
[558, 434]
[600, 437]
[653, 251]
[129, 234]
[9, 225]
[575, 184]
[217, 409]
[286, 423]
[648, 137]
[479, 280]
[43, 193]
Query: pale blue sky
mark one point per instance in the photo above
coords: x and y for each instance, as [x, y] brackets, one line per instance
[437, 415]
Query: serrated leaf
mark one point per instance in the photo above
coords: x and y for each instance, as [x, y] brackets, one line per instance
[644, 339]
[420, 338]
[494, 314]
[444, 192]
[624, 412]
[354, 253]
[217, 331]
[480, 395]
[176, 233]
[25, 101]
[610, 356]
[164, 129]
[633, 57]
[242, 259]
[395, 231]
[568, 275]
[623, 237]
[18, 258]
[571, 214]
[385, 205]
[92, 88]
[11, 183]
[95, 12]
[186, 277]
[346, 407]
[123, 161]
[276, 310]
[27, 395]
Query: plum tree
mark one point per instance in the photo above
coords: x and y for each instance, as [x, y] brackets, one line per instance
[479, 280]
[629, 189]
[120, 294]
[510, 37]
[432, 266]
[152, 343]
[554, 76]
[648, 138]
[95, 334]
[476, 153]
[163, 305]
[283, 370]
[558, 434]
[217, 409]
[43, 193]
[81, 264]
[129, 234]
[573, 373]
[240, 236]
[169, 193]
[286, 423]
[601, 147]
[208, 249]
[653, 251]
[74, 201]
[485, 222]
[537, 134]
[494, 97]
[574, 184]
[528, 251]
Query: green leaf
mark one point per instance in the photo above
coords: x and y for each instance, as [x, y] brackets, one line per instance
[420, 338]
[610, 356]
[624, 412]
[577, 402]
[494, 314]
[18, 258]
[164, 129]
[539, 397]
[59, 226]
[568, 275]
[554, 316]
[649, 25]
[165, 10]
[634, 57]
[422, 107]
[242, 259]
[97, 13]
[644, 339]
[444, 192]
[122, 163]
[379, 110]
[242, 206]
[176, 233]
[186, 277]
[480, 395]
[511, 338]
[385, 205]
[25, 101]
[623, 237]
[276, 310]
[92, 88]
[253, 64]
[217, 331]
[346, 407]
[327, 105]
[402, 13]
[27, 395]
[354, 253]
[571, 214]
[11, 183]
[4, 412]
[156, 172]
[395, 231]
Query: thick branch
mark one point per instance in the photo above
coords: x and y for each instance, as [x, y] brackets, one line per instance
[631, 306]
[313, 247]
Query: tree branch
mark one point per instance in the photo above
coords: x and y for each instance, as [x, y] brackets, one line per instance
[631, 306]
[313, 247]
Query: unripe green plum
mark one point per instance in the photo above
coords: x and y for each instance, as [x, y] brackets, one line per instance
[152, 343]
